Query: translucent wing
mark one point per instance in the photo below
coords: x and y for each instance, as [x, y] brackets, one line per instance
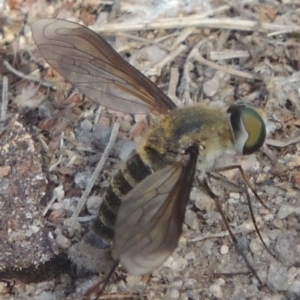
[149, 221]
[89, 62]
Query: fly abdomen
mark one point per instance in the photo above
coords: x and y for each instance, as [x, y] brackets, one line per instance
[133, 172]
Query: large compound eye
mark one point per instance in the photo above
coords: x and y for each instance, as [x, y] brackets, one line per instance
[248, 128]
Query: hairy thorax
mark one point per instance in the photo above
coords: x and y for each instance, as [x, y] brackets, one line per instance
[206, 127]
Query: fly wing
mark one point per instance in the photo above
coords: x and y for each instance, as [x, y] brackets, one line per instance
[149, 221]
[89, 62]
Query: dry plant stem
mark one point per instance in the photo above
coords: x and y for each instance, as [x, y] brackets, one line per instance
[253, 96]
[117, 296]
[186, 73]
[97, 116]
[41, 138]
[188, 82]
[72, 161]
[4, 101]
[184, 34]
[222, 234]
[61, 140]
[228, 54]
[56, 164]
[222, 39]
[199, 21]
[116, 9]
[27, 77]
[206, 188]
[143, 40]
[165, 37]
[174, 76]
[105, 2]
[282, 144]
[50, 203]
[279, 32]
[158, 67]
[98, 169]
[86, 219]
[55, 197]
[195, 54]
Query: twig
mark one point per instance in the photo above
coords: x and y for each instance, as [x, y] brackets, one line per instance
[242, 229]
[197, 56]
[158, 67]
[174, 77]
[86, 219]
[58, 194]
[116, 9]
[281, 144]
[187, 81]
[228, 54]
[98, 169]
[26, 77]
[4, 98]
[143, 40]
[56, 164]
[97, 116]
[284, 31]
[41, 138]
[199, 21]
[161, 39]
[183, 35]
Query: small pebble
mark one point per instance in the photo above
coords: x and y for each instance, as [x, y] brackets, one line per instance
[86, 125]
[126, 150]
[277, 277]
[125, 125]
[82, 178]
[285, 211]
[93, 203]
[63, 242]
[224, 249]
[72, 227]
[172, 293]
[294, 290]
[216, 291]
[235, 196]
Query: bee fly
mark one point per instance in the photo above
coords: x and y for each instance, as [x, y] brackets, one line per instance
[143, 209]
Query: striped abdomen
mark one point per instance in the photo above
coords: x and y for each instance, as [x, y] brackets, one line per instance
[133, 172]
